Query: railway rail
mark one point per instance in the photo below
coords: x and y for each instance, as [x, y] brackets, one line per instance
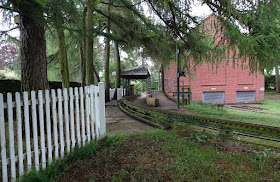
[164, 119]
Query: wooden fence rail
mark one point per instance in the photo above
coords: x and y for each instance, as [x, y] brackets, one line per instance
[47, 126]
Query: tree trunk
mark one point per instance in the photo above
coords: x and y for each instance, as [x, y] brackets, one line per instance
[83, 50]
[277, 80]
[33, 54]
[107, 58]
[89, 44]
[83, 66]
[118, 69]
[63, 58]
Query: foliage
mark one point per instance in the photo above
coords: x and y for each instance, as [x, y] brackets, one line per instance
[156, 33]
[260, 22]
[269, 82]
[168, 156]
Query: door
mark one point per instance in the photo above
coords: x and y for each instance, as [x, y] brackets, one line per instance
[245, 96]
[214, 97]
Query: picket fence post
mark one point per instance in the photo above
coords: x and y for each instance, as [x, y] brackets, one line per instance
[77, 114]
[19, 133]
[3, 140]
[42, 129]
[102, 109]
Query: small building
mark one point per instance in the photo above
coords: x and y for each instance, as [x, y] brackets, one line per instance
[229, 82]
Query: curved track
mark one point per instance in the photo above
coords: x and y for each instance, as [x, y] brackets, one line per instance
[164, 119]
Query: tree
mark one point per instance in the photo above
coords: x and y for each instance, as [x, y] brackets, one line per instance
[107, 56]
[32, 49]
[89, 44]
[83, 50]
[8, 53]
[118, 69]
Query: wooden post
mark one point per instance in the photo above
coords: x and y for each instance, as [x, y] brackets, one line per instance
[183, 96]
[3, 140]
[19, 129]
[226, 138]
[189, 95]
[42, 129]
[102, 110]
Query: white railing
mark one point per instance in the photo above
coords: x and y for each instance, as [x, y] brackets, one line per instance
[119, 93]
[65, 121]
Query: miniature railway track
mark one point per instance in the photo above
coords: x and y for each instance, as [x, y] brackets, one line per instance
[164, 119]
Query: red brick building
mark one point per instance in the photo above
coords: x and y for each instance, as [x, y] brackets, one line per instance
[228, 84]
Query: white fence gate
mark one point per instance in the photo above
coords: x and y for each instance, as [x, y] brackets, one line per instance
[65, 120]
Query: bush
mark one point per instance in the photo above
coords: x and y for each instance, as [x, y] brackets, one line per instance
[270, 82]
[15, 85]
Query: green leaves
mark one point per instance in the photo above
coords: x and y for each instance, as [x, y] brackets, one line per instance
[42, 2]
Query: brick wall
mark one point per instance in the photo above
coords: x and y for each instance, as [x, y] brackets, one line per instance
[227, 78]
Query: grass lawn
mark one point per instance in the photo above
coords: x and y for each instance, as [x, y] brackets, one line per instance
[270, 106]
[270, 118]
[176, 155]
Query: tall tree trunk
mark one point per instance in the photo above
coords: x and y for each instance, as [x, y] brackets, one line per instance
[83, 50]
[33, 54]
[107, 57]
[89, 45]
[83, 66]
[118, 69]
[277, 80]
[64, 71]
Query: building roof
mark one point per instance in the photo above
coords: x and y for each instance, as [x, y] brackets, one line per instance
[138, 72]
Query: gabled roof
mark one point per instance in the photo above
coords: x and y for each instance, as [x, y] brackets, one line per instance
[138, 72]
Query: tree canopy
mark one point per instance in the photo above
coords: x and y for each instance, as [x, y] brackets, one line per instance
[154, 27]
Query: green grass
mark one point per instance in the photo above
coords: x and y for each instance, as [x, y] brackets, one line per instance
[212, 111]
[270, 106]
[176, 155]
[59, 167]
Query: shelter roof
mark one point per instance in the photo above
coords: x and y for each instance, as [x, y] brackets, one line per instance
[139, 72]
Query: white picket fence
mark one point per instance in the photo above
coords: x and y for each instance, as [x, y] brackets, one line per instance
[72, 119]
[120, 93]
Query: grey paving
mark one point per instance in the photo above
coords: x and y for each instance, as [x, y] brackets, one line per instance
[120, 123]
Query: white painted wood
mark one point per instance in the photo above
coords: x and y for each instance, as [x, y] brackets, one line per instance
[11, 137]
[102, 109]
[42, 129]
[97, 113]
[119, 93]
[66, 117]
[27, 130]
[19, 135]
[60, 116]
[54, 114]
[48, 120]
[82, 115]
[77, 116]
[72, 117]
[3, 140]
[87, 112]
[35, 134]
[92, 114]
